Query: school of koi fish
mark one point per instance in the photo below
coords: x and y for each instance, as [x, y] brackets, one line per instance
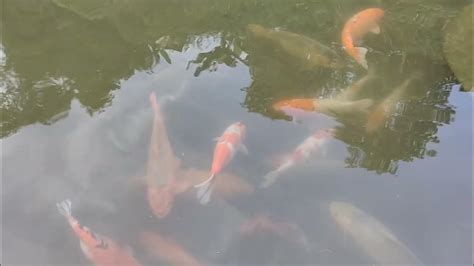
[165, 180]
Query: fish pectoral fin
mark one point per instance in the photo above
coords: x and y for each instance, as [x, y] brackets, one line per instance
[244, 149]
[216, 139]
[128, 250]
[361, 53]
[375, 29]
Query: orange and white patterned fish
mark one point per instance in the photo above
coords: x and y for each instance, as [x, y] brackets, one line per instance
[100, 250]
[227, 145]
[300, 154]
[357, 27]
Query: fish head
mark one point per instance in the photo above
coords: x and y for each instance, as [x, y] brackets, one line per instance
[376, 13]
[342, 213]
[241, 128]
[256, 30]
[160, 199]
[325, 133]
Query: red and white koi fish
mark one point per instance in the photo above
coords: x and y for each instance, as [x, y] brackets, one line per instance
[98, 249]
[357, 27]
[166, 249]
[227, 145]
[300, 154]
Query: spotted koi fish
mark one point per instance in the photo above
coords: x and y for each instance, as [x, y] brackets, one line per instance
[100, 250]
[227, 145]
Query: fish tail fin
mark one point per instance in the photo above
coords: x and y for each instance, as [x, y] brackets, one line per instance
[270, 178]
[204, 190]
[361, 52]
[64, 208]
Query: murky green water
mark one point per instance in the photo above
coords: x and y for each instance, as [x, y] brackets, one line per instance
[76, 120]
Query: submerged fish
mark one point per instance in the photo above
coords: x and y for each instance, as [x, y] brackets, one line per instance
[286, 230]
[162, 169]
[357, 27]
[300, 154]
[333, 107]
[101, 250]
[310, 52]
[166, 249]
[371, 235]
[384, 109]
[227, 145]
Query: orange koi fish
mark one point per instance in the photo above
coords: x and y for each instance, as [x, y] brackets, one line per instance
[226, 147]
[357, 27]
[163, 165]
[166, 249]
[300, 154]
[98, 249]
[298, 107]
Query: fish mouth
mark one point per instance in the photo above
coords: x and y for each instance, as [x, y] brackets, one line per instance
[160, 200]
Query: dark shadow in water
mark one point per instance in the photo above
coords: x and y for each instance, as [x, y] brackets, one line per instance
[82, 50]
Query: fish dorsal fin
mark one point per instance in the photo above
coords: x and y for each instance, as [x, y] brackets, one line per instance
[361, 53]
[375, 29]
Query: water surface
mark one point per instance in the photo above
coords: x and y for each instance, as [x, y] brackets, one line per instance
[76, 123]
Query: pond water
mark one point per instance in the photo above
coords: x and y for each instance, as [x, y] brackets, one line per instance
[76, 80]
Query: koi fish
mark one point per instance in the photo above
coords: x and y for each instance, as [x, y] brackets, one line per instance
[384, 109]
[98, 249]
[226, 147]
[162, 168]
[300, 154]
[332, 107]
[310, 53]
[374, 238]
[357, 27]
[166, 249]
